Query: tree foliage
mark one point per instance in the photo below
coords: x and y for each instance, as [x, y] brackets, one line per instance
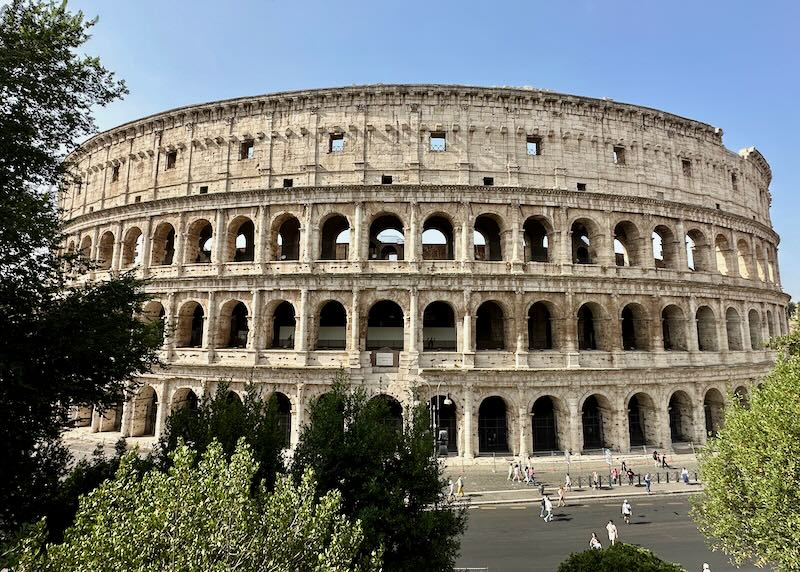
[225, 419]
[750, 507]
[57, 348]
[387, 476]
[201, 516]
[615, 558]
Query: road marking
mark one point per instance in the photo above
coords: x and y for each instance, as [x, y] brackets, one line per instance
[518, 507]
[674, 503]
[645, 504]
[489, 508]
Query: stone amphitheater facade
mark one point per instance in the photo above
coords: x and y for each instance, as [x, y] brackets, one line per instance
[549, 272]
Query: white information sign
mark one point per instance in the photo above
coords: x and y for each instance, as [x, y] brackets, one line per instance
[384, 359]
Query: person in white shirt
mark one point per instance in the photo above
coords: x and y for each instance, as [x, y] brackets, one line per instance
[613, 533]
[626, 511]
[548, 509]
[594, 543]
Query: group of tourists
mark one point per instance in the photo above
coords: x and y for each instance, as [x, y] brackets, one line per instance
[518, 473]
[660, 459]
[611, 528]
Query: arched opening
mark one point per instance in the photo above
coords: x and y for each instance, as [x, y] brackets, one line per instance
[287, 240]
[82, 416]
[744, 260]
[191, 321]
[680, 417]
[153, 311]
[544, 425]
[443, 418]
[86, 248]
[111, 418]
[105, 251]
[754, 321]
[597, 423]
[163, 253]
[761, 264]
[673, 329]
[145, 412]
[771, 276]
[486, 237]
[626, 244]
[439, 328]
[489, 327]
[437, 239]
[664, 247]
[394, 411]
[184, 398]
[635, 334]
[199, 242]
[284, 407]
[588, 329]
[770, 325]
[283, 326]
[540, 328]
[697, 251]
[706, 329]
[492, 426]
[536, 240]
[335, 240]
[385, 326]
[332, 334]
[132, 248]
[234, 328]
[233, 398]
[386, 238]
[742, 395]
[642, 427]
[733, 325]
[714, 409]
[722, 251]
[241, 240]
[583, 232]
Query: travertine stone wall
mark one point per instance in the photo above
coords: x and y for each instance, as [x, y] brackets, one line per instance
[612, 305]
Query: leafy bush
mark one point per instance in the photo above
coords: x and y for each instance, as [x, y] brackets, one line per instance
[627, 557]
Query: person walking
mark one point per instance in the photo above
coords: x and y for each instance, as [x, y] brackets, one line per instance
[706, 567]
[685, 476]
[626, 511]
[450, 487]
[655, 458]
[531, 475]
[543, 504]
[647, 482]
[614, 475]
[631, 474]
[594, 542]
[624, 468]
[460, 486]
[517, 475]
[595, 480]
[548, 509]
[568, 482]
[613, 533]
[510, 471]
[664, 464]
[561, 501]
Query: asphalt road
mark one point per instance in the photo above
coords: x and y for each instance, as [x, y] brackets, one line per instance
[511, 538]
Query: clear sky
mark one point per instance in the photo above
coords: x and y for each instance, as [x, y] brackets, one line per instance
[732, 63]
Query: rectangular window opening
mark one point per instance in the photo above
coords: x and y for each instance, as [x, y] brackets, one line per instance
[488, 181]
[115, 173]
[686, 165]
[717, 206]
[204, 190]
[246, 150]
[619, 155]
[336, 143]
[581, 186]
[438, 141]
[172, 158]
[386, 179]
[287, 183]
[137, 199]
[734, 182]
[533, 145]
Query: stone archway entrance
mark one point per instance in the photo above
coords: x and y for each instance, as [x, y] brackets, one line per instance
[493, 426]
[544, 425]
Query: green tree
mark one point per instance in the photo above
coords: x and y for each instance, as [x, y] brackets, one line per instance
[750, 506]
[621, 556]
[201, 516]
[387, 476]
[225, 419]
[58, 347]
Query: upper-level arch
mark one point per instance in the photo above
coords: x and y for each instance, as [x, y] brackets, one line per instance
[334, 237]
[240, 241]
[285, 238]
[627, 244]
[586, 239]
[199, 242]
[536, 233]
[488, 238]
[438, 238]
[162, 251]
[387, 238]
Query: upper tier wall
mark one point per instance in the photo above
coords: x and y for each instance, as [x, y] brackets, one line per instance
[386, 130]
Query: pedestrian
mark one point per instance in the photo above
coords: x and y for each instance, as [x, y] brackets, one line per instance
[685, 476]
[548, 509]
[647, 481]
[568, 482]
[655, 458]
[517, 474]
[594, 543]
[706, 567]
[460, 486]
[631, 474]
[613, 533]
[595, 480]
[561, 501]
[664, 464]
[626, 511]
[450, 485]
[543, 504]
[624, 466]
[531, 476]
[510, 470]
[614, 475]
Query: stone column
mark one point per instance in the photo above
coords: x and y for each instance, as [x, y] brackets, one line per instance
[413, 235]
[307, 255]
[521, 321]
[255, 337]
[656, 326]
[219, 245]
[355, 234]
[469, 443]
[298, 415]
[722, 328]
[171, 322]
[575, 426]
[681, 257]
[693, 344]
[147, 245]
[116, 258]
[516, 256]
[209, 332]
[127, 413]
[262, 247]
[163, 408]
[301, 343]
[180, 243]
[623, 436]
[524, 428]
[413, 320]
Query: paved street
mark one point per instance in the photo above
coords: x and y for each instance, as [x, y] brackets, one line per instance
[511, 538]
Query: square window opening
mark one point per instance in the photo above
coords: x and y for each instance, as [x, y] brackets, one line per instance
[115, 173]
[336, 143]
[386, 179]
[438, 141]
[619, 155]
[288, 183]
[533, 145]
[204, 190]
[581, 186]
[686, 165]
[488, 181]
[137, 199]
[246, 150]
[172, 159]
[717, 206]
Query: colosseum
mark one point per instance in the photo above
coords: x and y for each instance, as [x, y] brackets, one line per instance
[548, 272]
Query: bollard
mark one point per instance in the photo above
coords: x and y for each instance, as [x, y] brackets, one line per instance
[599, 482]
[667, 473]
[541, 489]
[639, 478]
[695, 476]
[580, 483]
[658, 478]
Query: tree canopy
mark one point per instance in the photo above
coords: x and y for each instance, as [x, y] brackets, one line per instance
[750, 506]
[387, 475]
[201, 516]
[628, 557]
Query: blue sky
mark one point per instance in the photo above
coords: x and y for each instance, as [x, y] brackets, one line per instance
[734, 64]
